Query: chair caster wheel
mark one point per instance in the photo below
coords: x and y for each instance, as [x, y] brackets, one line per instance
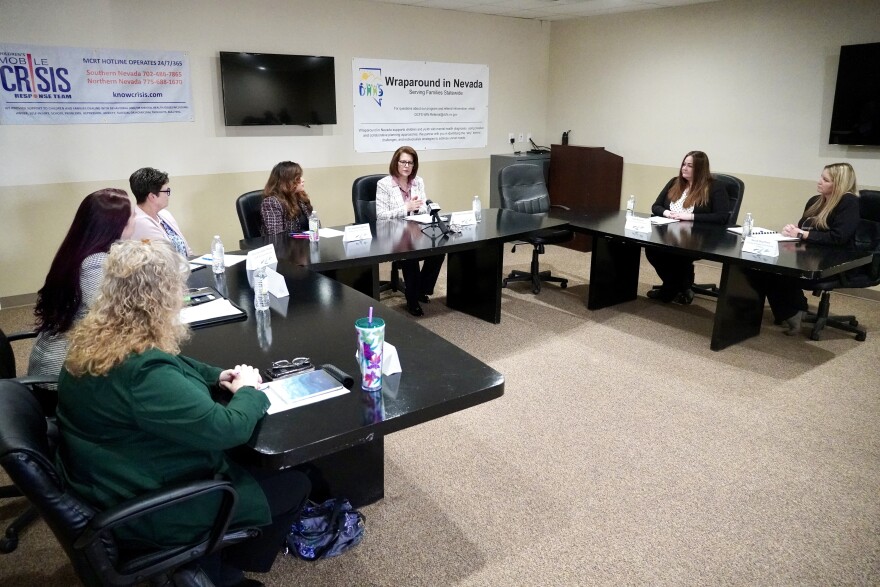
[814, 336]
[563, 285]
[8, 544]
[861, 336]
[504, 283]
[536, 290]
[853, 322]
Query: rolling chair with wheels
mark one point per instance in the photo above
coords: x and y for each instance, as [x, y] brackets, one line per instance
[9, 542]
[867, 238]
[87, 534]
[523, 189]
[363, 200]
[248, 207]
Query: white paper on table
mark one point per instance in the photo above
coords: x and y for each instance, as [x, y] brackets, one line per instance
[425, 218]
[208, 311]
[357, 232]
[466, 218]
[228, 259]
[329, 232]
[637, 224]
[662, 220]
[262, 257]
[275, 283]
[758, 245]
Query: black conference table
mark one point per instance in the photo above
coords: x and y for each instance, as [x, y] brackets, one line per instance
[473, 265]
[339, 440]
[616, 256]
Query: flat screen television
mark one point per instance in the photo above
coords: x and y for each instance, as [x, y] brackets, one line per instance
[855, 119]
[271, 89]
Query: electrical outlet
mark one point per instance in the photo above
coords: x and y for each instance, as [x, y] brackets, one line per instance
[510, 137]
[521, 139]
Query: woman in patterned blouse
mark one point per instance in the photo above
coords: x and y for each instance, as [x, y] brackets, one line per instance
[75, 275]
[286, 206]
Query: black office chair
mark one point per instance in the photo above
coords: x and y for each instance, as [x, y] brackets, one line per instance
[248, 208]
[87, 534]
[867, 239]
[735, 189]
[523, 189]
[363, 200]
[9, 542]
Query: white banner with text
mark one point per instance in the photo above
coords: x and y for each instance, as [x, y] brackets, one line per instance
[421, 104]
[70, 85]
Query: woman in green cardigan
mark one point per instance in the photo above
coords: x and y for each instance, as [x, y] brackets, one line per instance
[135, 415]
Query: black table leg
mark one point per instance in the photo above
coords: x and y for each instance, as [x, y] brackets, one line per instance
[614, 272]
[473, 281]
[739, 310]
[356, 473]
[363, 278]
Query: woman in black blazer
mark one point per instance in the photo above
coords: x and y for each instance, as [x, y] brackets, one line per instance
[690, 197]
[830, 218]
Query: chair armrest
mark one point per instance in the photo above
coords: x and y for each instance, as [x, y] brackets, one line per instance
[134, 508]
[21, 335]
[31, 380]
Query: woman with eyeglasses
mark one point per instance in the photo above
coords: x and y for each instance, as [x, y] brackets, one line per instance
[692, 196]
[830, 218]
[286, 206]
[153, 221]
[398, 195]
[134, 416]
[74, 277]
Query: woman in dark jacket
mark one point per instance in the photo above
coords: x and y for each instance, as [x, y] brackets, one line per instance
[830, 218]
[690, 197]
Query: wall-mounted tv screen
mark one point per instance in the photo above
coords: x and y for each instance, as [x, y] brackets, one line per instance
[855, 119]
[265, 88]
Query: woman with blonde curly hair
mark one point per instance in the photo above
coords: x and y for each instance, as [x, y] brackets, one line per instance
[135, 415]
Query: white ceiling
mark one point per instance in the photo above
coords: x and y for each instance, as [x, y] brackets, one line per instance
[545, 9]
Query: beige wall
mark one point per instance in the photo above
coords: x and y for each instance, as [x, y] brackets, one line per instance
[750, 82]
[48, 169]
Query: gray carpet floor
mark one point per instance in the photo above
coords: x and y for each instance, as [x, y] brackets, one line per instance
[623, 452]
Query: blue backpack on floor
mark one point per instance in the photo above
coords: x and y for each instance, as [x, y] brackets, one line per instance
[325, 530]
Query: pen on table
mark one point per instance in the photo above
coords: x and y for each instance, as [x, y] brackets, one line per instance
[300, 235]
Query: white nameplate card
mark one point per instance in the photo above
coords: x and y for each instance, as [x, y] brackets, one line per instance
[262, 257]
[275, 283]
[759, 246]
[357, 232]
[637, 224]
[463, 218]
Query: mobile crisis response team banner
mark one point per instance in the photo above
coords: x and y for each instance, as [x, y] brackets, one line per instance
[69, 85]
[421, 104]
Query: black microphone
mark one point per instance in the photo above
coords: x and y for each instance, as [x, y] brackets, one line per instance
[434, 209]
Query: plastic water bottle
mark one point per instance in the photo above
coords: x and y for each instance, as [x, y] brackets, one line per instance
[217, 253]
[261, 291]
[747, 225]
[314, 225]
[630, 205]
[477, 208]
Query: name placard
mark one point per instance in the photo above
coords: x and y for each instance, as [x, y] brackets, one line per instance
[262, 257]
[463, 218]
[275, 283]
[758, 246]
[357, 232]
[637, 224]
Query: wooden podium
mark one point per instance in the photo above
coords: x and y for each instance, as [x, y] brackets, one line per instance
[585, 179]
